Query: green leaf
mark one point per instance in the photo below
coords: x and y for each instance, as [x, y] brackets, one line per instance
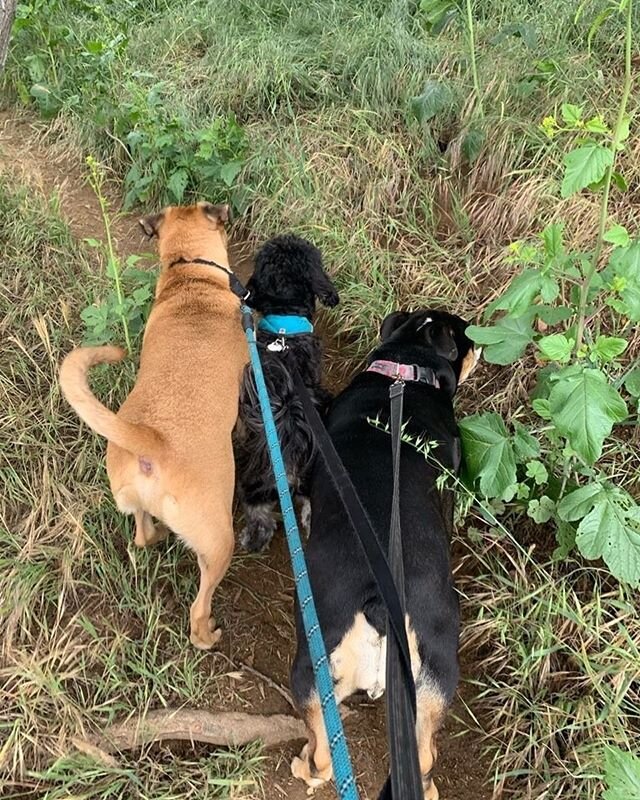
[596, 125]
[549, 289]
[578, 504]
[177, 183]
[624, 264]
[504, 342]
[571, 114]
[552, 236]
[556, 347]
[607, 348]
[435, 98]
[621, 774]
[584, 166]
[611, 530]
[625, 128]
[541, 407]
[519, 297]
[438, 13]
[525, 445]
[632, 382]
[537, 471]
[566, 538]
[618, 235]
[229, 172]
[584, 407]
[472, 144]
[488, 453]
[541, 510]
[619, 181]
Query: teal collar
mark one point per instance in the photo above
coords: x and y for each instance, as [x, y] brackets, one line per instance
[285, 325]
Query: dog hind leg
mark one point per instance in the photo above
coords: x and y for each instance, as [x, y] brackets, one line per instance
[430, 712]
[146, 531]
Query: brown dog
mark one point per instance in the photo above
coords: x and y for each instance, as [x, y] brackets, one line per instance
[170, 454]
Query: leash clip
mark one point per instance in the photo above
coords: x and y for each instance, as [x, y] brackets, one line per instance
[396, 388]
[279, 345]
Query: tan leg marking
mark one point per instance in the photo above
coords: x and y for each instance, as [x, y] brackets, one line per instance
[214, 550]
[146, 532]
[431, 709]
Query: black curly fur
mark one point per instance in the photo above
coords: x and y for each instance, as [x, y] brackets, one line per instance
[288, 277]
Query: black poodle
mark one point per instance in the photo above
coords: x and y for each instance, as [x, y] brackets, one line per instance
[288, 277]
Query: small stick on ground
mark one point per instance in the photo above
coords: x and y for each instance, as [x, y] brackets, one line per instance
[225, 728]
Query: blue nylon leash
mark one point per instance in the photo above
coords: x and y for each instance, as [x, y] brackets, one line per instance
[342, 770]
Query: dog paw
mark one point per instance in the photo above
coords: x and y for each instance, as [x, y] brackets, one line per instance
[255, 538]
[204, 637]
[301, 769]
[330, 299]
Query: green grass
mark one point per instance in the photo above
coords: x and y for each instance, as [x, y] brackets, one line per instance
[313, 102]
[91, 629]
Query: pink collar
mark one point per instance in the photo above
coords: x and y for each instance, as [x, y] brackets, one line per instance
[405, 372]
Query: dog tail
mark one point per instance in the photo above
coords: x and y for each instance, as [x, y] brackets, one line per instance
[138, 439]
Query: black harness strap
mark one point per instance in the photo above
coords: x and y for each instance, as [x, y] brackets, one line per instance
[405, 779]
[361, 524]
[234, 282]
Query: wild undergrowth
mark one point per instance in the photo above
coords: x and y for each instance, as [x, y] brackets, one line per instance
[441, 152]
[91, 630]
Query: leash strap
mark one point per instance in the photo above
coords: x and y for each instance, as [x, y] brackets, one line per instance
[361, 524]
[342, 769]
[405, 779]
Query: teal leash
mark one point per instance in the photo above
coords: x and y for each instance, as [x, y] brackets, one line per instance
[342, 769]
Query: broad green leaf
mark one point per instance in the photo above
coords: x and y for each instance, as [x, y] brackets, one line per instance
[552, 315]
[611, 531]
[584, 166]
[229, 172]
[584, 407]
[571, 114]
[609, 347]
[177, 183]
[549, 289]
[542, 409]
[578, 504]
[552, 236]
[625, 128]
[596, 125]
[504, 342]
[624, 266]
[620, 181]
[437, 13]
[488, 453]
[541, 510]
[618, 235]
[621, 774]
[435, 98]
[566, 538]
[537, 471]
[632, 382]
[556, 347]
[525, 445]
[524, 30]
[519, 297]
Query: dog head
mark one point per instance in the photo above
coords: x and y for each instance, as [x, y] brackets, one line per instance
[196, 231]
[288, 278]
[440, 332]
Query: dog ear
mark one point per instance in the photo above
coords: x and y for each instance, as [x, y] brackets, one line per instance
[441, 337]
[220, 213]
[323, 288]
[392, 322]
[151, 224]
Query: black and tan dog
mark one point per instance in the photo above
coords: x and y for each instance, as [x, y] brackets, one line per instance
[288, 278]
[430, 351]
[170, 453]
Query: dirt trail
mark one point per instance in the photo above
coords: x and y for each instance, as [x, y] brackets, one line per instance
[255, 601]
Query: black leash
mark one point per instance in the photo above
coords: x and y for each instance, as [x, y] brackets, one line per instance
[361, 524]
[234, 282]
[405, 779]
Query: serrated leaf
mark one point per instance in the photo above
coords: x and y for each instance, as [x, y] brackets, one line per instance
[552, 237]
[556, 347]
[541, 407]
[611, 531]
[632, 382]
[552, 315]
[435, 98]
[607, 348]
[537, 471]
[584, 166]
[618, 235]
[571, 114]
[177, 184]
[519, 296]
[549, 289]
[621, 774]
[229, 172]
[566, 538]
[488, 453]
[578, 504]
[525, 445]
[584, 407]
[596, 125]
[619, 181]
[541, 510]
[505, 341]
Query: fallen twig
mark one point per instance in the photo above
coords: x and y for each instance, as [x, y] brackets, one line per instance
[222, 728]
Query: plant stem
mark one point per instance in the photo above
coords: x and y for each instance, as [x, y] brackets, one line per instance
[472, 54]
[112, 259]
[604, 207]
